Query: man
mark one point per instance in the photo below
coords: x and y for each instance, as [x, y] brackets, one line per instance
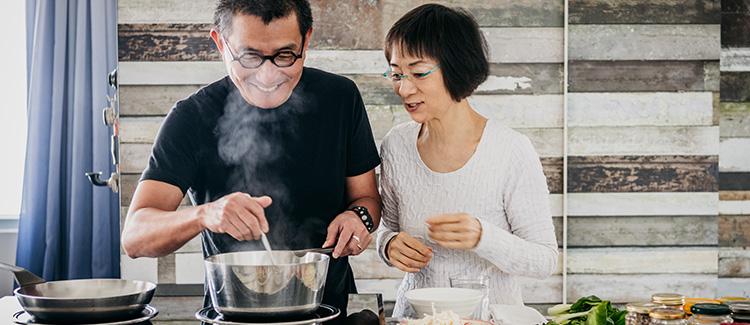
[272, 148]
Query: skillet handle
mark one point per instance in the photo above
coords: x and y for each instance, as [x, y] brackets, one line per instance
[23, 276]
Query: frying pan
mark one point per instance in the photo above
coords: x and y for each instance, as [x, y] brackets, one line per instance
[79, 301]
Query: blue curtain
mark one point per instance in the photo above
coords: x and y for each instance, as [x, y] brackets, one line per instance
[68, 228]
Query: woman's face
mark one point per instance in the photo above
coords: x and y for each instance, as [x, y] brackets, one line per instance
[419, 83]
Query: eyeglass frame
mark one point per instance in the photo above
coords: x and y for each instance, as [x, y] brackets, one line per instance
[265, 58]
[403, 76]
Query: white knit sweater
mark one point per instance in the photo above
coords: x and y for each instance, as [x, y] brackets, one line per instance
[502, 185]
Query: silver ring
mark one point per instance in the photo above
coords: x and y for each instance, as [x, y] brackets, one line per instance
[357, 239]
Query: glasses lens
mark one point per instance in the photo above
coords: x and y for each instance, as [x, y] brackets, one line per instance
[284, 59]
[250, 61]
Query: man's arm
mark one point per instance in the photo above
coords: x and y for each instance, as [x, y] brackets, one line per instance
[154, 227]
[347, 231]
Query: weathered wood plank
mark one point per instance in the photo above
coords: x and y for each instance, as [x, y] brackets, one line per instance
[738, 207]
[654, 42]
[134, 157]
[548, 142]
[652, 231]
[151, 100]
[642, 204]
[604, 141]
[623, 288]
[735, 120]
[734, 155]
[734, 262]
[644, 12]
[735, 86]
[626, 76]
[712, 76]
[143, 268]
[139, 129]
[640, 109]
[735, 29]
[521, 111]
[734, 231]
[166, 269]
[733, 287]
[734, 195]
[519, 13]
[523, 78]
[735, 6]
[734, 181]
[553, 169]
[735, 59]
[177, 308]
[643, 174]
[662, 260]
[189, 268]
[166, 42]
[525, 45]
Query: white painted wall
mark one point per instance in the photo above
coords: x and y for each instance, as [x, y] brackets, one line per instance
[12, 128]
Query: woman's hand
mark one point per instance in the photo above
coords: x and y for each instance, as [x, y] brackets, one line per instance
[456, 231]
[407, 253]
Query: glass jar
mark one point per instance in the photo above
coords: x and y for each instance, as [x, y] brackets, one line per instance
[740, 311]
[671, 300]
[710, 314]
[667, 316]
[638, 313]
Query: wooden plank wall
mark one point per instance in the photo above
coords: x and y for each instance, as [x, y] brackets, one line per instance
[734, 157]
[165, 55]
[643, 148]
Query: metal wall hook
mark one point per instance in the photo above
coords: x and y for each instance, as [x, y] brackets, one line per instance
[113, 182]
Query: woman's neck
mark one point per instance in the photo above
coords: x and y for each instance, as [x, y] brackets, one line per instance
[460, 125]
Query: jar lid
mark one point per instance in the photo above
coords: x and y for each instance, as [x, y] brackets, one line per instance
[641, 307]
[689, 302]
[666, 313]
[668, 298]
[729, 298]
[711, 309]
[740, 307]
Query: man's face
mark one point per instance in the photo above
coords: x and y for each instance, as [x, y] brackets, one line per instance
[267, 86]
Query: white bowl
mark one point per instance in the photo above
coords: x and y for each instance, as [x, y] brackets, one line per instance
[461, 301]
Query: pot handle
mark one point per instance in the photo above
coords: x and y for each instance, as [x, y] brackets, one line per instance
[23, 276]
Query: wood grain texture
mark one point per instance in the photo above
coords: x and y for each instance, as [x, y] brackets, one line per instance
[643, 204]
[734, 155]
[735, 29]
[735, 120]
[648, 231]
[734, 262]
[166, 269]
[606, 141]
[525, 45]
[734, 181]
[735, 207]
[654, 42]
[644, 12]
[643, 174]
[734, 230]
[521, 111]
[735, 59]
[523, 78]
[640, 109]
[662, 260]
[734, 195]
[735, 6]
[523, 13]
[733, 287]
[627, 76]
[735, 86]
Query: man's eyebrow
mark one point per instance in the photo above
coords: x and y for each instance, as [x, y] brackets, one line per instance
[290, 46]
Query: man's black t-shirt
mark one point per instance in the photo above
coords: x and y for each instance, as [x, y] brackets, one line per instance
[214, 143]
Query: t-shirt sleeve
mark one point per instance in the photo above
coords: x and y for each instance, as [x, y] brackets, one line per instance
[362, 152]
[173, 157]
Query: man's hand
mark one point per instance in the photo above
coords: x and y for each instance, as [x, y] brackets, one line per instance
[238, 214]
[407, 253]
[457, 231]
[348, 233]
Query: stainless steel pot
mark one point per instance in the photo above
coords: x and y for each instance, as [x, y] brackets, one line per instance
[246, 284]
[89, 300]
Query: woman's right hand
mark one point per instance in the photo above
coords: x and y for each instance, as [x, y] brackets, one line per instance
[407, 253]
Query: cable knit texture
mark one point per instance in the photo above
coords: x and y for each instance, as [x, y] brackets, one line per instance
[502, 185]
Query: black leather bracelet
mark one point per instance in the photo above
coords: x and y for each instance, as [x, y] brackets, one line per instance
[364, 216]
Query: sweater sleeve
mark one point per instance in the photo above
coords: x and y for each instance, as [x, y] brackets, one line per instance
[389, 225]
[529, 248]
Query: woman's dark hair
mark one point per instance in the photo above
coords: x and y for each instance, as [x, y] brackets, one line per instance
[267, 10]
[449, 36]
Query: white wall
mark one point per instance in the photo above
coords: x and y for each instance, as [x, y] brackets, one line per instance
[12, 128]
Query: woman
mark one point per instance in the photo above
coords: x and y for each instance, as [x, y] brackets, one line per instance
[462, 193]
